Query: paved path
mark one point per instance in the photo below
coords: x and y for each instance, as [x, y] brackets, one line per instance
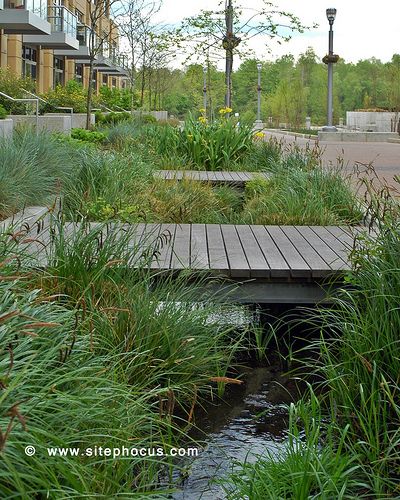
[384, 155]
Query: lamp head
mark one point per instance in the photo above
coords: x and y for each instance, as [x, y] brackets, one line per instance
[259, 66]
[205, 69]
[331, 15]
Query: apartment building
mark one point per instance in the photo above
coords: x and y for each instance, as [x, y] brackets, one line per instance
[49, 42]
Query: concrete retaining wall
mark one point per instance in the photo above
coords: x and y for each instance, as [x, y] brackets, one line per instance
[158, 115]
[374, 121]
[356, 136]
[6, 128]
[78, 119]
[53, 123]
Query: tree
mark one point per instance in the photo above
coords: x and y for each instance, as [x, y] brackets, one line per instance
[102, 38]
[136, 25]
[230, 28]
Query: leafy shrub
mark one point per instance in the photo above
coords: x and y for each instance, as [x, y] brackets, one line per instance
[123, 98]
[88, 135]
[113, 117]
[13, 85]
[72, 95]
[146, 119]
[3, 113]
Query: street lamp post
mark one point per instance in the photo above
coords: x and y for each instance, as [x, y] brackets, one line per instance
[259, 124]
[330, 60]
[205, 70]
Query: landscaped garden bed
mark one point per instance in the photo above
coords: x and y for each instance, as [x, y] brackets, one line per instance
[97, 353]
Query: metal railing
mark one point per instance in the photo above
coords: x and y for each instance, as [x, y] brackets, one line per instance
[38, 7]
[62, 20]
[71, 110]
[36, 101]
[84, 35]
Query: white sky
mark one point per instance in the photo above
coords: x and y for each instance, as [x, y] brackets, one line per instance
[363, 28]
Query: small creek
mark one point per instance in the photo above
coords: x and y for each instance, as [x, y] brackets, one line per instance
[251, 421]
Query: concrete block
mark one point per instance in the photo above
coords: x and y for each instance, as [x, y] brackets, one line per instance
[78, 119]
[51, 123]
[357, 136]
[6, 128]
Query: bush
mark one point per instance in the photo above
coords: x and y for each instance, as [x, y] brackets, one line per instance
[113, 117]
[13, 85]
[72, 95]
[84, 135]
[3, 113]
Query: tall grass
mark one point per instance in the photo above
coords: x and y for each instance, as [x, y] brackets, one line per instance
[32, 170]
[301, 191]
[205, 146]
[96, 351]
[356, 365]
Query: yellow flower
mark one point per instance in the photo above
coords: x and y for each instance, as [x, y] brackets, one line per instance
[202, 110]
[259, 135]
[202, 119]
[225, 111]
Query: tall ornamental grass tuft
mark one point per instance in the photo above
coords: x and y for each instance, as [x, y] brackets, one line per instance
[32, 169]
[356, 366]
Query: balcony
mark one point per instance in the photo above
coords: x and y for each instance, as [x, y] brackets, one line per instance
[82, 54]
[63, 30]
[25, 17]
[115, 64]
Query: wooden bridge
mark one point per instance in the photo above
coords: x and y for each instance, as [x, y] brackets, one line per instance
[237, 179]
[260, 264]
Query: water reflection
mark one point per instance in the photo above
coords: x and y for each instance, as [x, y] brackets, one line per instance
[243, 429]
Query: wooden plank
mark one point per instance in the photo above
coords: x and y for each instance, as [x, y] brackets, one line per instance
[238, 263]
[342, 234]
[198, 247]
[216, 249]
[298, 266]
[180, 258]
[342, 249]
[319, 268]
[330, 257]
[259, 267]
[279, 268]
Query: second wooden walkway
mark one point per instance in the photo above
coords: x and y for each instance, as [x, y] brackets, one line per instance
[237, 179]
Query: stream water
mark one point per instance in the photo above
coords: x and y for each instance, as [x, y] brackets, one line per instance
[252, 421]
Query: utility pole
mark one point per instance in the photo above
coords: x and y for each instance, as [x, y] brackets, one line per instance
[229, 43]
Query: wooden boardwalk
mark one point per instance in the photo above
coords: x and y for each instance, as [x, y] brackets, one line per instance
[237, 179]
[270, 263]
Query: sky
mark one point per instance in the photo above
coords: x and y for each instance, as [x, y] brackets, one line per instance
[363, 28]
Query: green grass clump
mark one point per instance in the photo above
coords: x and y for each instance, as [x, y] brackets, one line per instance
[95, 353]
[300, 191]
[354, 449]
[32, 170]
[206, 146]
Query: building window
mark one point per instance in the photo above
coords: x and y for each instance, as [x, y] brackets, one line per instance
[58, 71]
[29, 62]
[105, 80]
[79, 73]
